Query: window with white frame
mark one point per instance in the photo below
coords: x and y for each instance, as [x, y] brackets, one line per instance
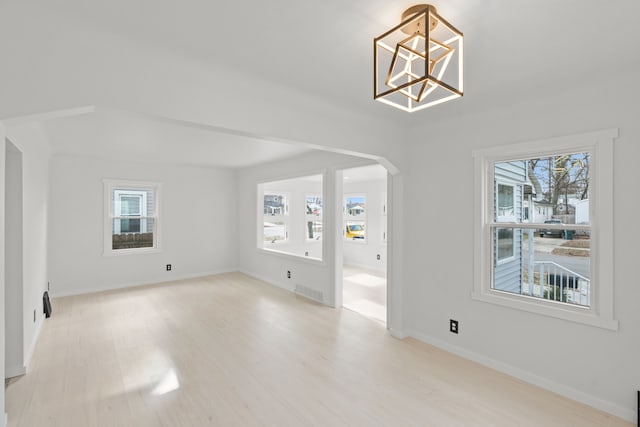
[355, 217]
[313, 217]
[131, 218]
[290, 216]
[275, 218]
[559, 266]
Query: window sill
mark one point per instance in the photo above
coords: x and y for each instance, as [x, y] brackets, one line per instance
[584, 315]
[307, 259]
[356, 241]
[121, 252]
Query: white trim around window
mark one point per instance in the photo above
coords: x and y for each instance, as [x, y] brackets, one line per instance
[149, 213]
[599, 145]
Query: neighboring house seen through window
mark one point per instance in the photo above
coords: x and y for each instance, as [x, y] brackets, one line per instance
[131, 222]
[355, 217]
[313, 217]
[276, 218]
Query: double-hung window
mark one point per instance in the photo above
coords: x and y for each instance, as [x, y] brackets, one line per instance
[557, 261]
[131, 219]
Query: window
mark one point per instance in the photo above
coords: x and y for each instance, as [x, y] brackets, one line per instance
[290, 217]
[131, 220]
[355, 217]
[276, 218]
[505, 210]
[313, 217]
[558, 263]
[130, 206]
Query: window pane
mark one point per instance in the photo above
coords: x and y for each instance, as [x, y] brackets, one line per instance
[132, 233]
[313, 205]
[274, 204]
[551, 269]
[355, 230]
[355, 206]
[505, 243]
[274, 231]
[130, 205]
[129, 225]
[314, 230]
[544, 188]
[506, 206]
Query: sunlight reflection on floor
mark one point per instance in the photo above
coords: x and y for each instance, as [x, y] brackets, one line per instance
[365, 293]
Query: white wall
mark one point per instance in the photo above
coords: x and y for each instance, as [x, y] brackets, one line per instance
[364, 254]
[593, 365]
[14, 298]
[2, 266]
[198, 223]
[34, 146]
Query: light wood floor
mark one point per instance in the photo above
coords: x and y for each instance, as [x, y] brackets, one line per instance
[365, 292]
[229, 350]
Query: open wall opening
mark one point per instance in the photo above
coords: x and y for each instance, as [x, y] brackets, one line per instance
[364, 235]
[14, 327]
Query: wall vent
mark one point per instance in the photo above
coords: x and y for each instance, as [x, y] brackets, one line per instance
[309, 293]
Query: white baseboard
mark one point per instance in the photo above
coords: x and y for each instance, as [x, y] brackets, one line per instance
[268, 281]
[32, 345]
[171, 278]
[398, 334]
[14, 371]
[561, 389]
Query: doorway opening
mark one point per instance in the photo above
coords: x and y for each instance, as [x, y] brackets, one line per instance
[364, 234]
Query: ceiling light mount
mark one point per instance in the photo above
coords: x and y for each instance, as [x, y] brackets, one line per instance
[419, 25]
[418, 63]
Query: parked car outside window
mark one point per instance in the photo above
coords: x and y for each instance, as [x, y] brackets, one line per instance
[355, 231]
[551, 233]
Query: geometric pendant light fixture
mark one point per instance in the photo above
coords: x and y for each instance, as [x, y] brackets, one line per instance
[418, 63]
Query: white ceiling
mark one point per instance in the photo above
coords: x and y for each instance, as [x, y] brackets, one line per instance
[116, 136]
[365, 173]
[521, 48]
[514, 50]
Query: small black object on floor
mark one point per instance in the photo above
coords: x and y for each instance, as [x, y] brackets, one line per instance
[47, 304]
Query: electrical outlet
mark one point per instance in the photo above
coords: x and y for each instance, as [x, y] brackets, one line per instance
[48, 286]
[378, 257]
[168, 267]
[453, 326]
[288, 274]
[306, 254]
